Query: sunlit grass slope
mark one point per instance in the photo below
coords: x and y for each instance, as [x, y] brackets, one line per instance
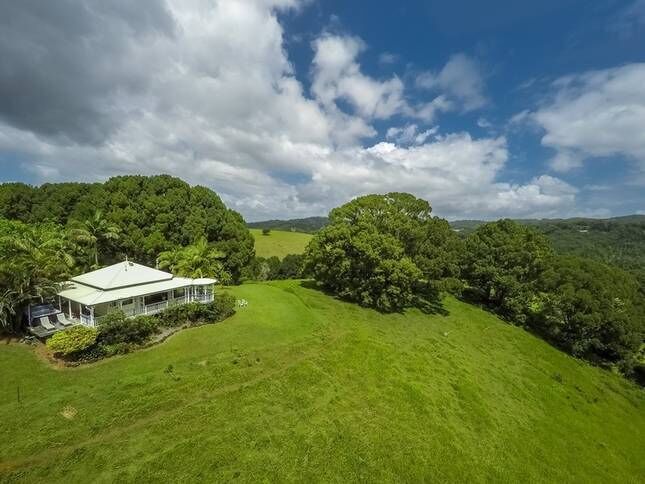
[279, 243]
[301, 387]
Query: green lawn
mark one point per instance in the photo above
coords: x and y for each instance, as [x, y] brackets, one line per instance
[301, 387]
[279, 243]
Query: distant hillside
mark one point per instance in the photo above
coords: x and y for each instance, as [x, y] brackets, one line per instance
[579, 223]
[279, 243]
[307, 225]
[619, 241]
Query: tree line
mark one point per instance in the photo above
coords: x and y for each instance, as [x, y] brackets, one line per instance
[388, 252]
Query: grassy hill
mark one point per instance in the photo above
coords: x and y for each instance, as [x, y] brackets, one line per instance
[279, 243]
[301, 387]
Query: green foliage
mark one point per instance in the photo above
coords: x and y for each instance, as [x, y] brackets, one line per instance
[502, 262]
[35, 259]
[115, 328]
[592, 310]
[200, 259]
[96, 232]
[617, 242]
[383, 251]
[220, 308]
[152, 215]
[587, 308]
[72, 341]
[266, 231]
[272, 268]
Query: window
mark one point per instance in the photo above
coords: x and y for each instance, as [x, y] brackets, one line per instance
[179, 292]
[126, 302]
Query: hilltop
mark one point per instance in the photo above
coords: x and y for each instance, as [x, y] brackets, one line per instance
[300, 386]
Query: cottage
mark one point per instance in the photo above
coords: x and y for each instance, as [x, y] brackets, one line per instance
[133, 288]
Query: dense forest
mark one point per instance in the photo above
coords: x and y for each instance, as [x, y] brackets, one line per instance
[135, 216]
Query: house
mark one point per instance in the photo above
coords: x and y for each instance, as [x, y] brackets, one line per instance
[133, 288]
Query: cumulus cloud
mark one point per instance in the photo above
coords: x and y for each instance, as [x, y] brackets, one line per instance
[337, 75]
[461, 78]
[204, 90]
[595, 114]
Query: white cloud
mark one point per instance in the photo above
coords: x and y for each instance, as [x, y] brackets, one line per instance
[221, 106]
[596, 114]
[410, 134]
[461, 78]
[337, 75]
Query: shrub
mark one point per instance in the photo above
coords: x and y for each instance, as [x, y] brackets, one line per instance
[266, 231]
[72, 341]
[115, 329]
[222, 307]
[179, 315]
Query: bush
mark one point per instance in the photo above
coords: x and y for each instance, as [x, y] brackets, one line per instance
[115, 329]
[266, 231]
[179, 315]
[72, 341]
[221, 308]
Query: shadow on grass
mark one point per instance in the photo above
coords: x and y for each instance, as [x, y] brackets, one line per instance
[428, 303]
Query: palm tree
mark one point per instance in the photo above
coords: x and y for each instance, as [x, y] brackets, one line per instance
[7, 308]
[198, 260]
[37, 259]
[94, 231]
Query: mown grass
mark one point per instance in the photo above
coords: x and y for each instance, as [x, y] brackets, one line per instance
[301, 387]
[279, 243]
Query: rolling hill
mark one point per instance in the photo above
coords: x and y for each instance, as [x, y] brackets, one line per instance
[299, 386]
[279, 243]
[306, 225]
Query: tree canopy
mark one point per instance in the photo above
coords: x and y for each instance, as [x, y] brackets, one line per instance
[382, 251]
[151, 215]
[502, 262]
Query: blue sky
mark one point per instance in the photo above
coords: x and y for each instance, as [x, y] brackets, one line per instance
[287, 108]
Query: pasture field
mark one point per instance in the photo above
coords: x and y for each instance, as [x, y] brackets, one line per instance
[279, 243]
[299, 386]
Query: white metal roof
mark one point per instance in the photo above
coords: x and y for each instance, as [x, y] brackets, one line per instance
[90, 296]
[203, 281]
[122, 274]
